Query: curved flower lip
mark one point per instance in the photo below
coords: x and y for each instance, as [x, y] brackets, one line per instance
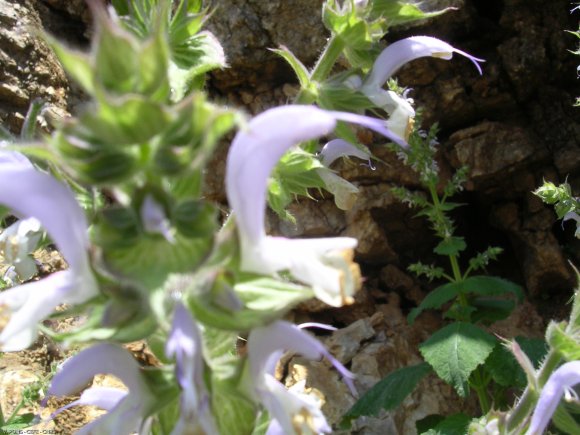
[27, 304]
[291, 412]
[265, 345]
[338, 148]
[127, 411]
[559, 383]
[31, 193]
[399, 53]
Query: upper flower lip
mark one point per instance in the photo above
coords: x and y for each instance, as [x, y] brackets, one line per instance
[405, 50]
[31, 193]
[256, 150]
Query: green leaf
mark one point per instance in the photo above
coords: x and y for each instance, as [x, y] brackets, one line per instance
[194, 218]
[262, 293]
[478, 285]
[564, 342]
[435, 299]
[564, 420]
[505, 369]
[337, 96]
[152, 258]
[295, 173]
[19, 422]
[298, 67]
[220, 353]
[455, 351]
[489, 311]
[450, 246]
[456, 424]
[129, 120]
[398, 12]
[116, 59]
[388, 393]
[233, 413]
[76, 64]
[199, 55]
[428, 422]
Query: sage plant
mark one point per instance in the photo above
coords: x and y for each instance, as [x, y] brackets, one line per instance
[119, 191]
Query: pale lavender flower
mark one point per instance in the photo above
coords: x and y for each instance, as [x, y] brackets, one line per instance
[31, 193]
[401, 52]
[325, 264]
[17, 242]
[338, 148]
[127, 411]
[185, 345]
[388, 63]
[154, 219]
[559, 384]
[291, 410]
[344, 193]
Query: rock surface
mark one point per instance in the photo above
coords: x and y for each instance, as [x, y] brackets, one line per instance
[513, 126]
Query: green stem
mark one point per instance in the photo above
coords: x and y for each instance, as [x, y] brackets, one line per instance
[322, 69]
[479, 384]
[530, 396]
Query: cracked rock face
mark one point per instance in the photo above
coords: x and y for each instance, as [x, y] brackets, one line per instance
[513, 126]
[28, 68]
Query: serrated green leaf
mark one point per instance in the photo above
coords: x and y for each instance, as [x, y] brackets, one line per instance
[399, 12]
[435, 299]
[388, 393]
[504, 368]
[199, 55]
[455, 351]
[488, 311]
[450, 246]
[477, 285]
[456, 424]
[298, 67]
[565, 343]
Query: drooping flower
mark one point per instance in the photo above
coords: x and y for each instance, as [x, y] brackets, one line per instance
[185, 345]
[389, 61]
[291, 410]
[30, 193]
[344, 192]
[559, 384]
[127, 411]
[326, 263]
[17, 243]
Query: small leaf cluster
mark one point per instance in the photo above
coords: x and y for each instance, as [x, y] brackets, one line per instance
[559, 196]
